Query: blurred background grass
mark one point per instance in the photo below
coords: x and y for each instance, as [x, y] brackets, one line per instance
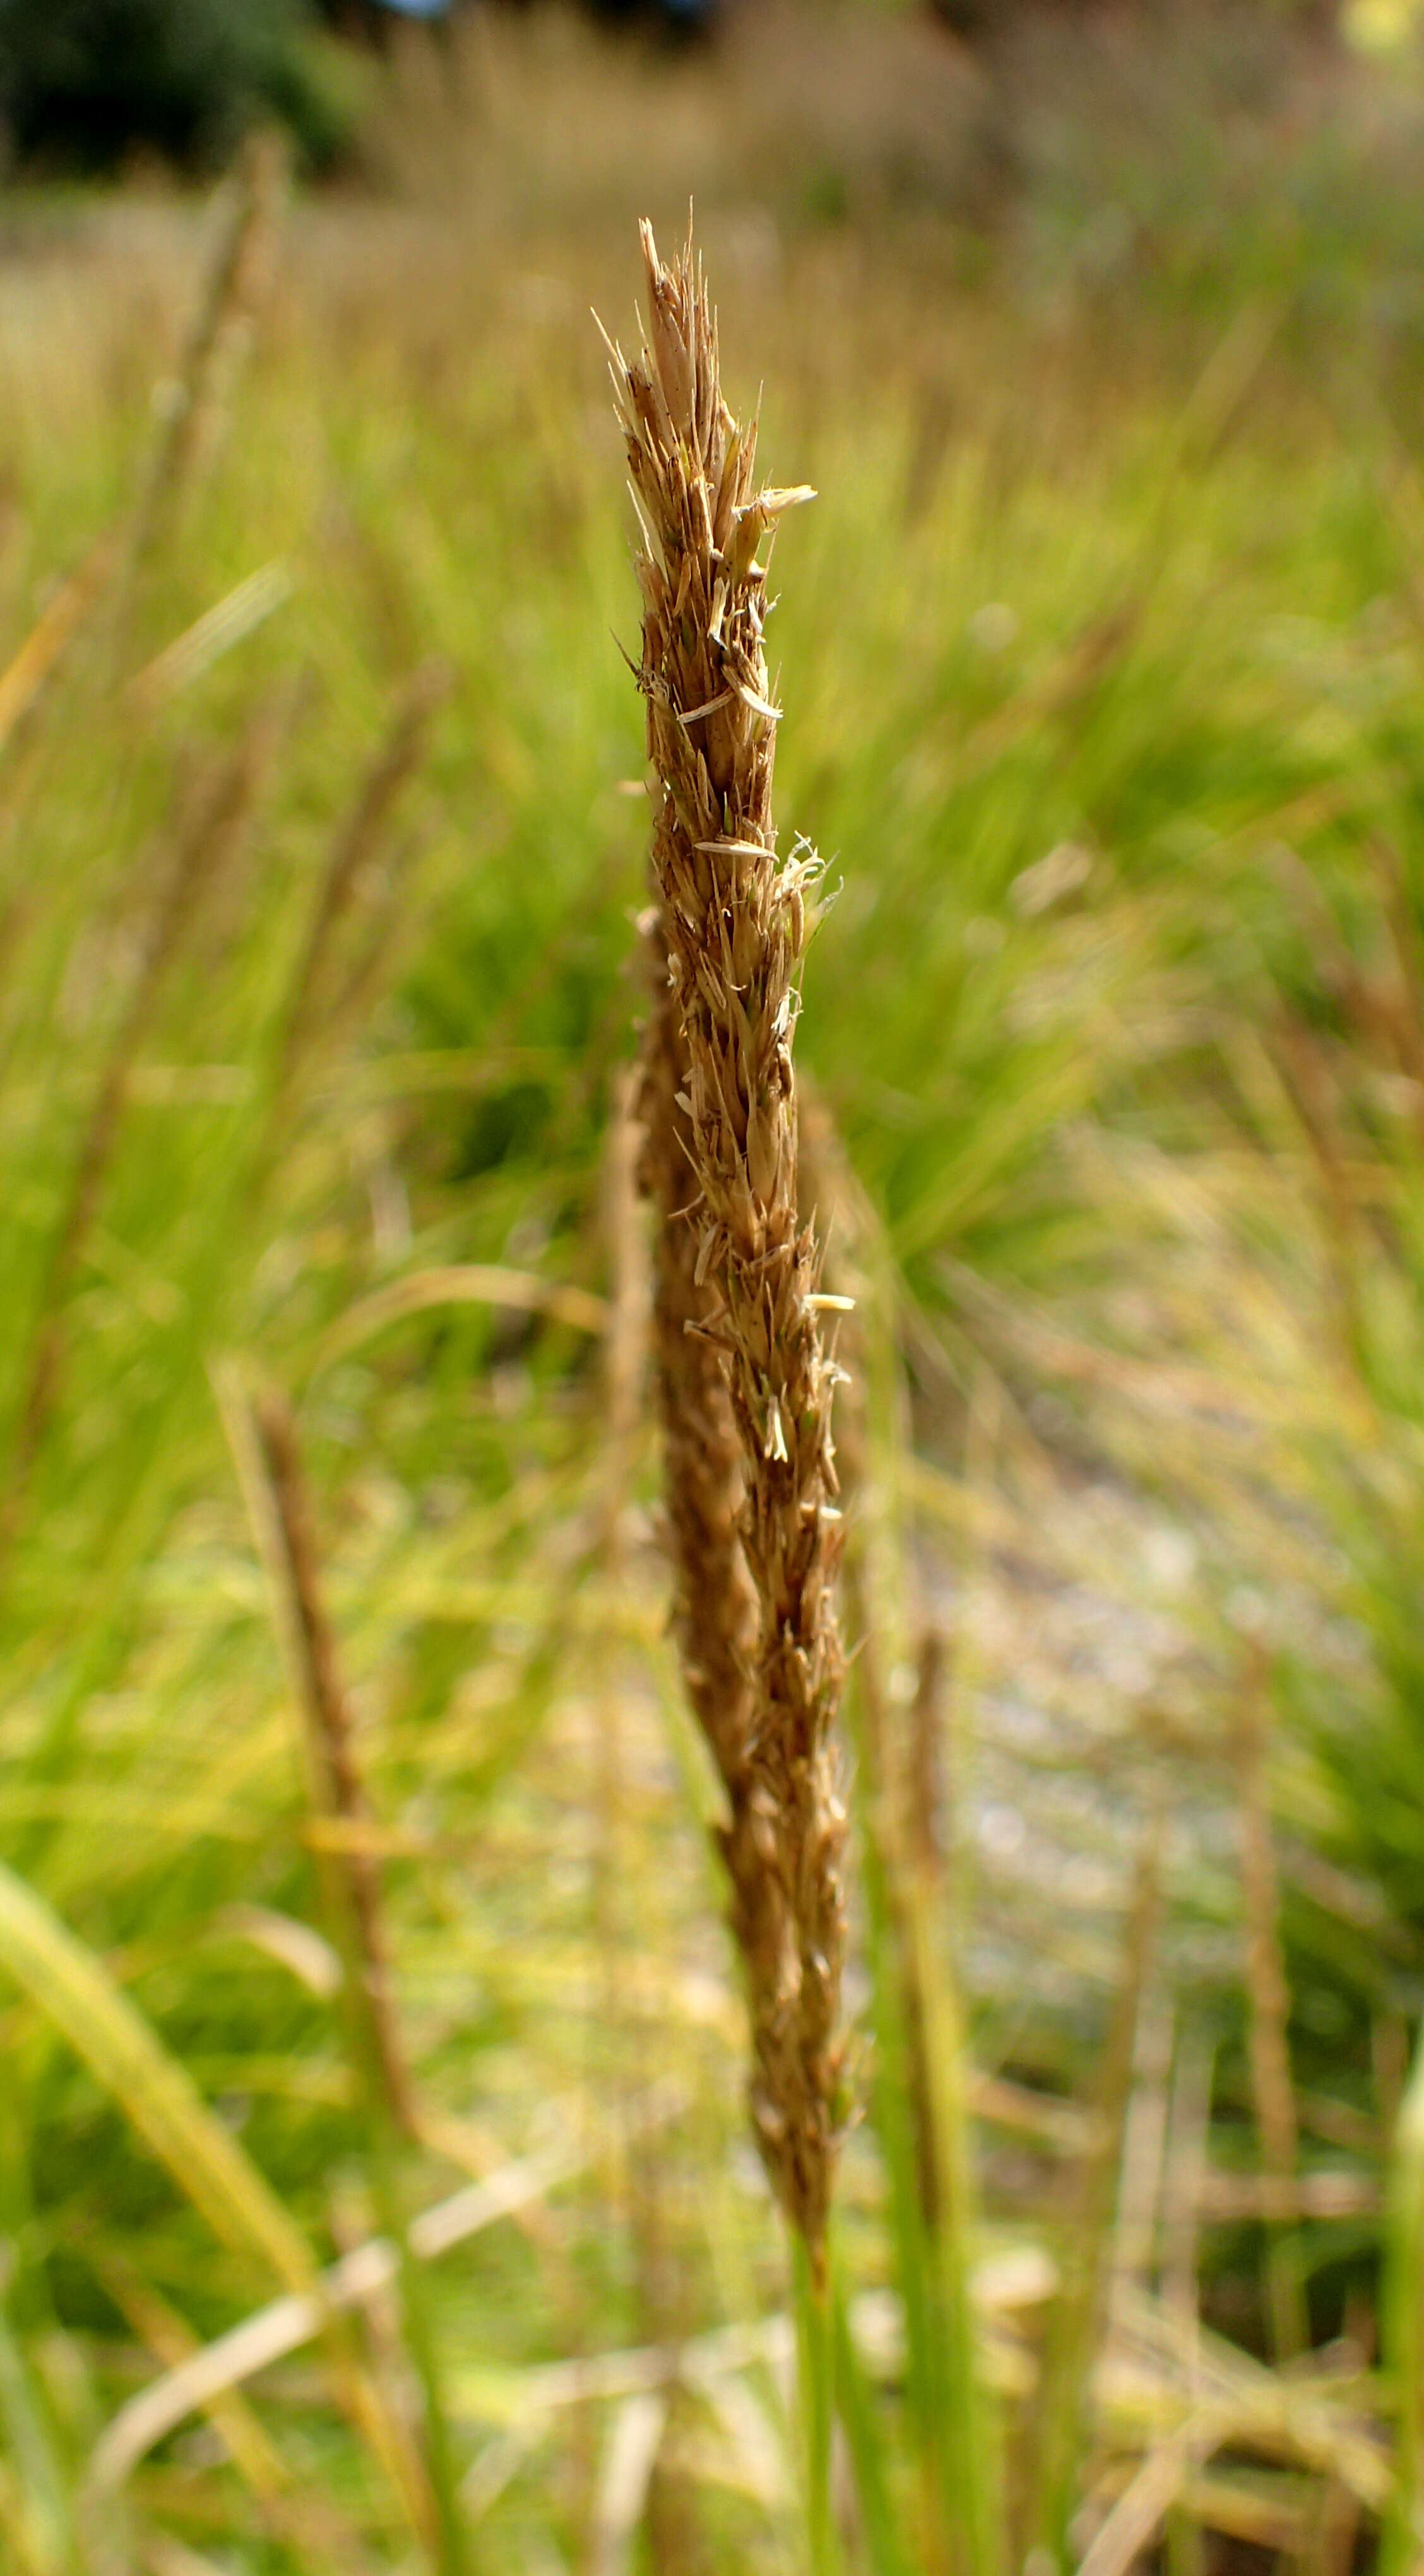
[321, 835]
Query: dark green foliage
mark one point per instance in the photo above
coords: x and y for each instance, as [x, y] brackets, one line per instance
[85, 81]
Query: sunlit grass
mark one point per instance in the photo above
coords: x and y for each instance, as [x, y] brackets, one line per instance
[1101, 679]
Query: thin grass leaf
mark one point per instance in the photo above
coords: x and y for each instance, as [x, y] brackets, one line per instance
[70, 1986]
[872, 2449]
[1404, 2314]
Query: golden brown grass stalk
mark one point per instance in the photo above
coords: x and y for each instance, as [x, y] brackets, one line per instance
[338, 1791]
[714, 1611]
[764, 1674]
[269, 1464]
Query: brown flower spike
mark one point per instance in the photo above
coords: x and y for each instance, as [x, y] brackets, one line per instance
[745, 1384]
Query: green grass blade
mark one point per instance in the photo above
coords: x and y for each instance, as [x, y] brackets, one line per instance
[66, 1982]
[968, 2434]
[871, 2449]
[26, 2438]
[815, 2397]
[1404, 2325]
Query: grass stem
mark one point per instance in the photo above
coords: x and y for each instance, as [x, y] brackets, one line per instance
[357, 1920]
[815, 2397]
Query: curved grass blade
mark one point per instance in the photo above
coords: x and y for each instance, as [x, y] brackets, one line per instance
[74, 1990]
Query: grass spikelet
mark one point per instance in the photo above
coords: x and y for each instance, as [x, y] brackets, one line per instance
[732, 924]
[714, 1610]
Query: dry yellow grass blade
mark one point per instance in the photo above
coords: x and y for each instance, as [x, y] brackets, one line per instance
[459, 1284]
[25, 677]
[228, 623]
[172, 2341]
[1158, 2374]
[634, 2438]
[1150, 2496]
[361, 2277]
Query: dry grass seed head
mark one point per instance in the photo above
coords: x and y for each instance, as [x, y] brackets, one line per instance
[732, 926]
